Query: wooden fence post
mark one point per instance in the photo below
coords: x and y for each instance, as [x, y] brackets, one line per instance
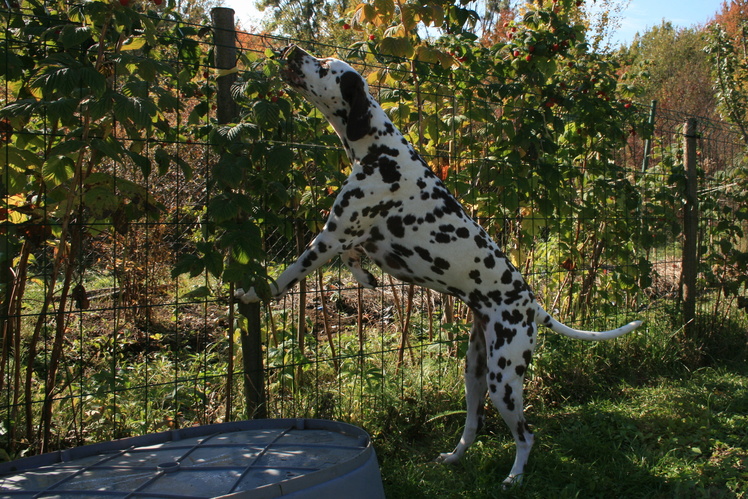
[648, 141]
[690, 261]
[224, 40]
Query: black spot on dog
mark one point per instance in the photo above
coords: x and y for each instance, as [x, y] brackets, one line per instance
[496, 296]
[508, 400]
[504, 335]
[395, 226]
[394, 262]
[309, 260]
[442, 238]
[513, 317]
[424, 254]
[481, 241]
[402, 250]
[527, 355]
[441, 263]
[506, 277]
[375, 234]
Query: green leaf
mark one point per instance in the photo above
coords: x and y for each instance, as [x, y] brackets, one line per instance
[163, 160]
[135, 109]
[142, 162]
[245, 242]
[229, 171]
[191, 264]
[198, 292]
[101, 201]
[109, 148]
[58, 169]
[280, 159]
[74, 36]
[266, 113]
[214, 263]
[199, 113]
[222, 208]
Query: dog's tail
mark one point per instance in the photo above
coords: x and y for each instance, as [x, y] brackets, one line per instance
[544, 318]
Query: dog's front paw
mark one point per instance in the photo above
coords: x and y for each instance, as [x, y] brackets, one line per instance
[249, 296]
[448, 458]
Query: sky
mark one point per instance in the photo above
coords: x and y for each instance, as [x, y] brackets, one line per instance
[637, 17]
[643, 14]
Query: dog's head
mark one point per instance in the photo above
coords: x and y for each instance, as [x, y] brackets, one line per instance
[334, 87]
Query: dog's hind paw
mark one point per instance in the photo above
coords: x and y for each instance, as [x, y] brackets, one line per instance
[448, 458]
[249, 296]
[511, 481]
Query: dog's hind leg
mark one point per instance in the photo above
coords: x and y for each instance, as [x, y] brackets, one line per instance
[507, 365]
[475, 391]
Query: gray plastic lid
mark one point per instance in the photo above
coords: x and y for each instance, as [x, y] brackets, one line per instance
[270, 458]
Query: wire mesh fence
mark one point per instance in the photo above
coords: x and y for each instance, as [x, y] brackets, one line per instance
[112, 326]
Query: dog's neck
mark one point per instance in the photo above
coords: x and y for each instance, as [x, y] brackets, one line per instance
[383, 137]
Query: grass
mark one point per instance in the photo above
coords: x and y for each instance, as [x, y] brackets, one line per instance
[682, 436]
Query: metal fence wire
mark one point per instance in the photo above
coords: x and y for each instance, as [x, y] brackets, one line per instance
[103, 339]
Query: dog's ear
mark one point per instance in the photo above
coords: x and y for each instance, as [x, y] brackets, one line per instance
[359, 117]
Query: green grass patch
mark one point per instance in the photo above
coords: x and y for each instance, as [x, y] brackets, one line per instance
[677, 437]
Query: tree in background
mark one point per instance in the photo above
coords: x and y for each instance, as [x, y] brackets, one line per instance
[309, 20]
[728, 53]
[673, 68]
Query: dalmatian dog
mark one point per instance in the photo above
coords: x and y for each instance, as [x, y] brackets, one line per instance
[396, 211]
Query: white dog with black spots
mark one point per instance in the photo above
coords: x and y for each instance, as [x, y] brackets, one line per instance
[397, 212]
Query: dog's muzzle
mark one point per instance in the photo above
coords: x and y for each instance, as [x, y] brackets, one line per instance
[293, 57]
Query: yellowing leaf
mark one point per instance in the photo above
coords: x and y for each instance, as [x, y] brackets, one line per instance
[224, 72]
[399, 47]
[134, 43]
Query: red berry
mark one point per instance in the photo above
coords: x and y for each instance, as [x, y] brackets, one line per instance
[372, 37]
[124, 2]
[515, 53]
[346, 26]
[627, 105]
[528, 58]
[158, 2]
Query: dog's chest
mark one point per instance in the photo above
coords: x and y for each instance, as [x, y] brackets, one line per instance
[414, 229]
